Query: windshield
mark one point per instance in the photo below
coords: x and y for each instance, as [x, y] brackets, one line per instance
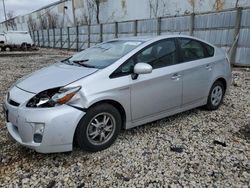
[103, 55]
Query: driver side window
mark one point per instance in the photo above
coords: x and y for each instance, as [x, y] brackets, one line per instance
[160, 54]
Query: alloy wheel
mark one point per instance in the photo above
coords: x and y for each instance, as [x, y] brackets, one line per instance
[216, 96]
[101, 128]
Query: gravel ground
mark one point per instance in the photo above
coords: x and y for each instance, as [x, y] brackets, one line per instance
[195, 148]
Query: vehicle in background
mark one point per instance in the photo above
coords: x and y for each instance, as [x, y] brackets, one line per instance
[2, 41]
[15, 40]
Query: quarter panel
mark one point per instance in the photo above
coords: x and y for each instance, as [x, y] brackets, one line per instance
[222, 70]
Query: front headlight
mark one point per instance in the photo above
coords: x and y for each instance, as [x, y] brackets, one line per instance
[53, 97]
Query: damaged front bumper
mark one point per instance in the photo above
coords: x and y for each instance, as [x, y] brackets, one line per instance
[46, 130]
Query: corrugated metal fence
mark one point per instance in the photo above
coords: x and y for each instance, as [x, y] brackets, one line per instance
[229, 29]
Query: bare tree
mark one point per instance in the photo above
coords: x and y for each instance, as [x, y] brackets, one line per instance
[82, 19]
[97, 5]
[32, 24]
[192, 2]
[52, 20]
[158, 8]
[236, 3]
[154, 8]
[10, 20]
[93, 7]
[43, 21]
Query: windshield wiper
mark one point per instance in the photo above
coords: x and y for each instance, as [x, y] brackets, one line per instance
[67, 61]
[82, 63]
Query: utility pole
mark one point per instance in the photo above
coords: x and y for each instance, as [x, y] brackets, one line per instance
[5, 15]
[73, 10]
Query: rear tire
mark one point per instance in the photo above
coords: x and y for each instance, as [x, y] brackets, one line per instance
[99, 128]
[216, 96]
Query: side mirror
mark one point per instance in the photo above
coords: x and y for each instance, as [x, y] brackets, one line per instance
[142, 68]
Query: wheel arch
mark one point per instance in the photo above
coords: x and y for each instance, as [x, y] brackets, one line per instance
[115, 104]
[222, 80]
[209, 105]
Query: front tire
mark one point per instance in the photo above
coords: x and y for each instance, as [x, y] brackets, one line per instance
[99, 128]
[7, 48]
[216, 96]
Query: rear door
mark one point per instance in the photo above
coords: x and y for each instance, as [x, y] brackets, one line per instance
[197, 64]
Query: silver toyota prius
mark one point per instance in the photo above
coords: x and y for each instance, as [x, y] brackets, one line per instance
[88, 98]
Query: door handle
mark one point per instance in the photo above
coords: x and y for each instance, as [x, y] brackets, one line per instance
[176, 76]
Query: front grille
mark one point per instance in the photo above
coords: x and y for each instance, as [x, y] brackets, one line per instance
[13, 103]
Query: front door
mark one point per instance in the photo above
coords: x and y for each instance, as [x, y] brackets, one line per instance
[160, 90]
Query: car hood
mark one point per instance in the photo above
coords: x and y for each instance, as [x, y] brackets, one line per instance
[56, 75]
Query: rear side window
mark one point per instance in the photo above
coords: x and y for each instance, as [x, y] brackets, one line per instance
[210, 50]
[193, 50]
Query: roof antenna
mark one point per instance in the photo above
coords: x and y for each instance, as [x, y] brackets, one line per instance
[180, 32]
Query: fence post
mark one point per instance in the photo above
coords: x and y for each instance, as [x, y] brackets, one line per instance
[48, 38]
[33, 33]
[77, 38]
[88, 35]
[101, 33]
[232, 53]
[54, 38]
[191, 28]
[43, 38]
[38, 38]
[61, 38]
[116, 29]
[33, 36]
[159, 26]
[68, 38]
[135, 27]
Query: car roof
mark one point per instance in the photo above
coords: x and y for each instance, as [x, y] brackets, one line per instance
[136, 38]
[148, 38]
[155, 38]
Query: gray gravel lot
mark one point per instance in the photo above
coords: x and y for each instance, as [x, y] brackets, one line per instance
[195, 148]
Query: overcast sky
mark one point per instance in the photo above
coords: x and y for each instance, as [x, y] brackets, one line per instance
[20, 7]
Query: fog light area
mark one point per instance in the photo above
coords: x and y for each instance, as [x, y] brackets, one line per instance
[38, 133]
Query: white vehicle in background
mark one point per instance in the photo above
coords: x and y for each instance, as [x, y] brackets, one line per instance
[2, 41]
[15, 39]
